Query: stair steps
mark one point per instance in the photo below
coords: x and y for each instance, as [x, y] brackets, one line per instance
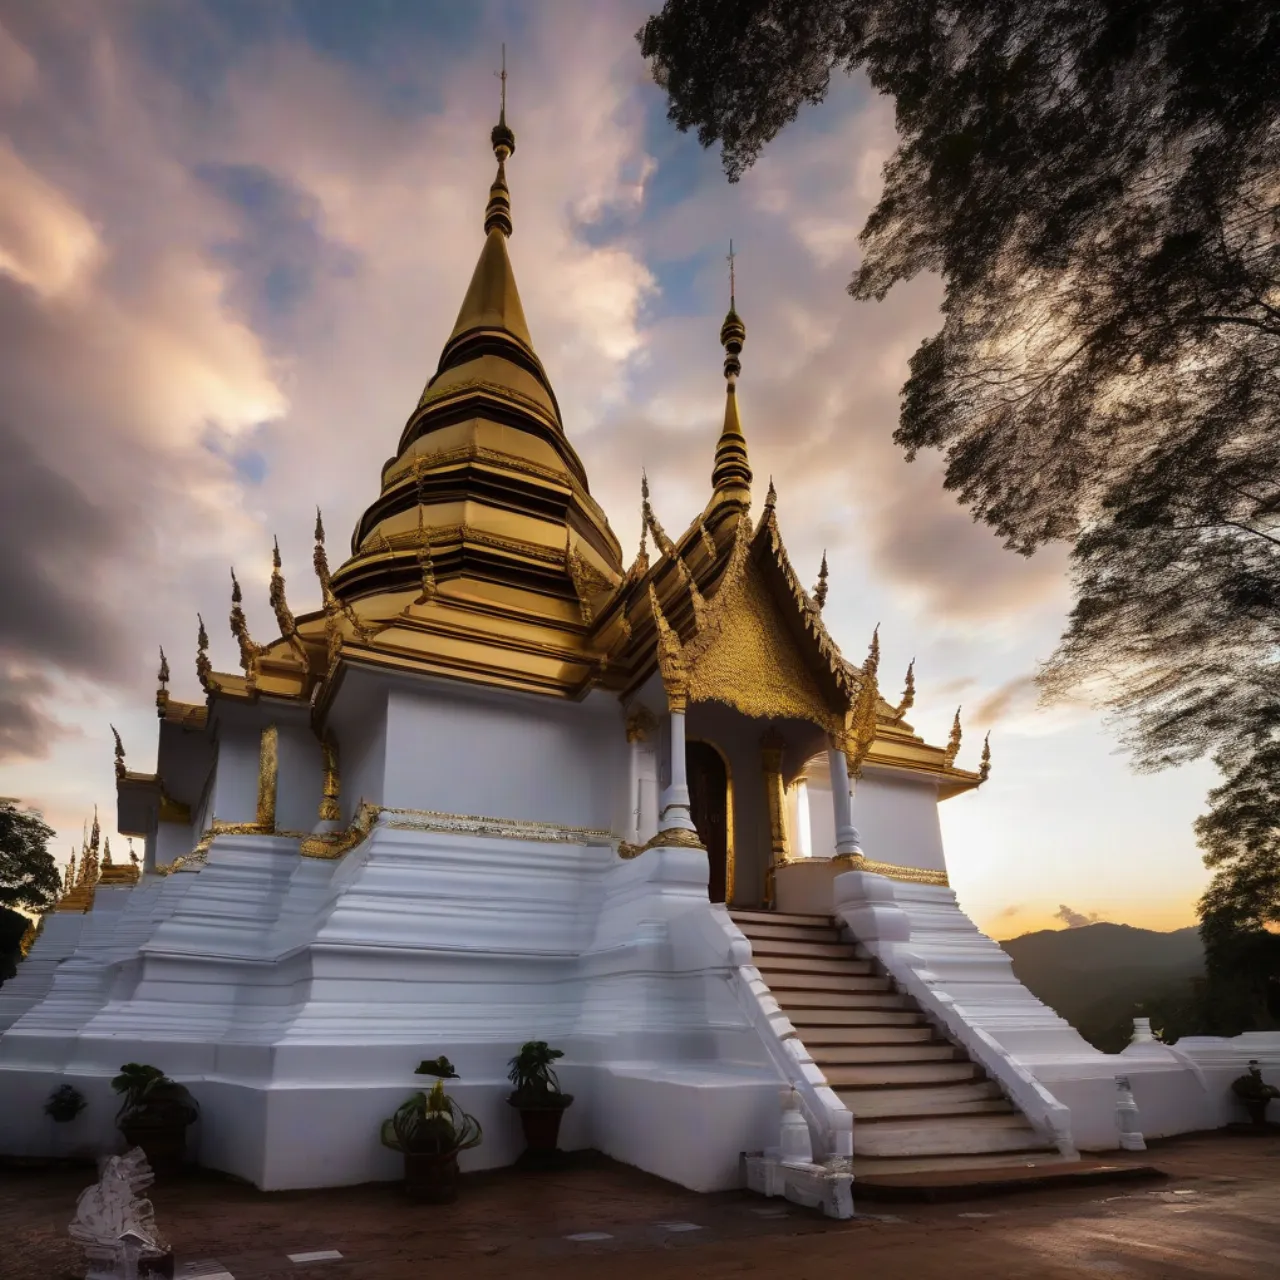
[920, 1105]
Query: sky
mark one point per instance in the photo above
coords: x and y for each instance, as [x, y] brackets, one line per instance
[234, 236]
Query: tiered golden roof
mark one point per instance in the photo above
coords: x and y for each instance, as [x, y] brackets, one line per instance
[485, 559]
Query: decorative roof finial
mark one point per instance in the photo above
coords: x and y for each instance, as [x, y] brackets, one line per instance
[731, 474]
[240, 629]
[133, 857]
[820, 591]
[953, 743]
[984, 768]
[871, 667]
[771, 498]
[69, 880]
[497, 214]
[280, 607]
[106, 852]
[908, 692]
[733, 333]
[204, 668]
[120, 770]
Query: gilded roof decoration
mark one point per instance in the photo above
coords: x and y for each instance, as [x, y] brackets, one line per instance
[249, 652]
[120, 769]
[162, 687]
[204, 668]
[908, 693]
[820, 590]
[984, 766]
[671, 661]
[280, 607]
[953, 742]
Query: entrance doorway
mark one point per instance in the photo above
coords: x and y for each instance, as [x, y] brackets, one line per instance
[709, 809]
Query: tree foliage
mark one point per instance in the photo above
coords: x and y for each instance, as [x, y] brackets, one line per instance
[28, 874]
[1097, 182]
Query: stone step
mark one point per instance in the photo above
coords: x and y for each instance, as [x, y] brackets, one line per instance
[836, 1055]
[804, 1000]
[784, 980]
[873, 1166]
[747, 917]
[836, 967]
[945, 1136]
[876, 1075]
[816, 1021]
[798, 948]
[783, 933]
[967, 1097]
[816, 1038]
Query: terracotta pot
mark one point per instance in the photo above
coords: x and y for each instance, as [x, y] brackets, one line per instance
[163, 1144]
[1257, 1109]
[430, 1177]
[541, 1127]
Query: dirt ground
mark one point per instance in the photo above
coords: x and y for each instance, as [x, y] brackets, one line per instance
[1217, 1214]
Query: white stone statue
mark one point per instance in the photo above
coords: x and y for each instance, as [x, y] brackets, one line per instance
[115, 1223]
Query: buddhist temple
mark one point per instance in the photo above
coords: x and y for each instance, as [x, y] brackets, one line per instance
[507, 784]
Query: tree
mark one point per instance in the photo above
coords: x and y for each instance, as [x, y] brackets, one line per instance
[1096, 183]
[28, 874]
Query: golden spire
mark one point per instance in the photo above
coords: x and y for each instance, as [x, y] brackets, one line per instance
[820, 591]
[426, 567]
[641, 566]
[120, 769]
[731, 474]
[953, 743]
[871, 668]
[771, 498]
[280, 606]
[908, 692]
[133, 857]
[69, 880]
[204, 668]
[106, 852]
[497, 214]
[240, 629]
[162, 690]
[984, 767]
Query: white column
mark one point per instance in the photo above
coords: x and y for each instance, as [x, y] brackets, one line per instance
[675, 799]
[804, 834]
[847, 840]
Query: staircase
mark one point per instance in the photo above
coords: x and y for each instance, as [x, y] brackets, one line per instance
[919, 1104]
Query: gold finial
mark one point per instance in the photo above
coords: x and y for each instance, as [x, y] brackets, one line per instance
[162, 687]
[240, 629]
[280, 606]
[733, 333]
[642, 556]
[953, 743]
[330, 802]
[106, 852]
[820, 591]
[497, 213]
[872, 665]
[120, 770]
[731, 474]
[133, 857]
[731, 275]
[771, 498]
[984, 767]
[204, 668]
[908, 692]
[425, 566]
[69, 880]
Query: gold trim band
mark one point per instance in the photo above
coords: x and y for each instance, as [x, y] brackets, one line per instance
[891, 870]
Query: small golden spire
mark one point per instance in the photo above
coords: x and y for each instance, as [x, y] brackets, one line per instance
[133, 857]
[69, 880]
[280, 607]
[162, 688]
[953, 743]
[120, 769]
[871, 667]
[908, 692]
[641, 566]
[497, 214]
[731, 473]
[820, 591]
[771, 498]
[204, 668]
[426, 567]
[984, 766]
[106, 852]
[240, 629]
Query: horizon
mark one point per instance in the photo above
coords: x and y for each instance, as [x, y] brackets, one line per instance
[232, 245]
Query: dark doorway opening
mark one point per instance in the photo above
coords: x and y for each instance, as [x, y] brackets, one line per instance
[709, 809]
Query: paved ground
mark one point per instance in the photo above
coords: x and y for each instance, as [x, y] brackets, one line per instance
[1218, 1215]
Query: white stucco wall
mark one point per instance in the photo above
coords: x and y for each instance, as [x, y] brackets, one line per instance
[456, 749]
[300, 777]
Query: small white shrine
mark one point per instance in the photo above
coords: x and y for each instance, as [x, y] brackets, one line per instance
[504, 786]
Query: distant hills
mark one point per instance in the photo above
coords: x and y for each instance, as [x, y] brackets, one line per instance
[1095, 975]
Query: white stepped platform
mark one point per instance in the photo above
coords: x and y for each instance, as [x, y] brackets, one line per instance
[281, 988]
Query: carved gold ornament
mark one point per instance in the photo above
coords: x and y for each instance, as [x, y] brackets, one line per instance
[891, 870]
[953, 743]
[268, 778]
[120, 769]
[330, 807]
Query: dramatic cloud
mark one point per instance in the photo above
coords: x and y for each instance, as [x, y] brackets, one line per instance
[1074, 919]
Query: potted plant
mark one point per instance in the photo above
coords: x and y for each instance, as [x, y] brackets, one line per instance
[64, 1104]
[1255, 1093]
[537, 1096]
[429, 1130]
[154, 1115]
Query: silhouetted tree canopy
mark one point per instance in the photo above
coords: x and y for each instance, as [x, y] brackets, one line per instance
[28, 874]
[1097, 183]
